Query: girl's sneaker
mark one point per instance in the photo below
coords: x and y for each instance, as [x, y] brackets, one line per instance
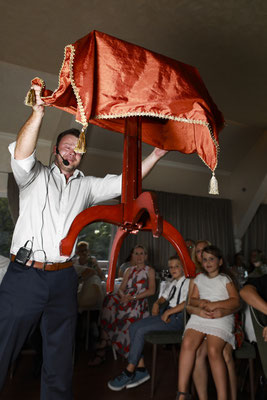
[120, 382]
[138, 378]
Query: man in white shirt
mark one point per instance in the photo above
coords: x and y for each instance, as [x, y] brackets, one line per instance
[41, 285]
[170, 319]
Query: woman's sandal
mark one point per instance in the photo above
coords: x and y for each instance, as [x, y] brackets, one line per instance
[97, 360]
[186, 396]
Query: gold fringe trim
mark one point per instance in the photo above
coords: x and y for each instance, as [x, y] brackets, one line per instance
[77, 95]
[213, 185]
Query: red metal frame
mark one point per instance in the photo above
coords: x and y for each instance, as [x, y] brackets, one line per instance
[137, 211]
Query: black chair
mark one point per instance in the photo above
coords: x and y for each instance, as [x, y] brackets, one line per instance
[259, 321]
[162, 337]
[247, 352]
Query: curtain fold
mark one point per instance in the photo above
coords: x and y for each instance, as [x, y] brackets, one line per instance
[195, 218]
[256, 234]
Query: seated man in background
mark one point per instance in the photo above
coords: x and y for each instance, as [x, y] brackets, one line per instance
[171, 319]
[90, 293]
[254, 293]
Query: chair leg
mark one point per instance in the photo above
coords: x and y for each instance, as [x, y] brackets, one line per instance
[154, 359]
[114, 353]
[251, 379]
[174, 354]
[87, 329]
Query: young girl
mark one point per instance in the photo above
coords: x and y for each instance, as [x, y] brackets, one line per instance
[212, 291]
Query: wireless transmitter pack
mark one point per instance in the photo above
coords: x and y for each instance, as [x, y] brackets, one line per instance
[24, 253]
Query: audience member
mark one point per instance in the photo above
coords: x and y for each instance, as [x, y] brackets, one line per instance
[190, 244]
[168, 319]
[257, 264]
[126, 306]
[213, 290]
[129, 262]
[254, 293]
[90, 293]
[200, 372]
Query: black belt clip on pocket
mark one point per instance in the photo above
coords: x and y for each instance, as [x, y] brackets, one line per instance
[24, 254]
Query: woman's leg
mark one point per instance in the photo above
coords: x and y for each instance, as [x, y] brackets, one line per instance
[200, 372]
[230, 364]
[191, 341]
[217, 364]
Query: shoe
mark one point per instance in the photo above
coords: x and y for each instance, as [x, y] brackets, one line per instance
[120, 381]
[138, 378]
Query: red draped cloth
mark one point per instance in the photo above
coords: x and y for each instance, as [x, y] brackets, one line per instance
[103, 80]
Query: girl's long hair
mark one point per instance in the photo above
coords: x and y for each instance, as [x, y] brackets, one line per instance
[216, 252]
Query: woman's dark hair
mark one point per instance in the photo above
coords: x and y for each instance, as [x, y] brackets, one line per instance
[216, 252]
[72, 131]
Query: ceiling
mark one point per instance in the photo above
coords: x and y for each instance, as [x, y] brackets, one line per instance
[226, 40]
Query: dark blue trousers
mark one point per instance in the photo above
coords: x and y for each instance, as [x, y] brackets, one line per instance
[27, 296]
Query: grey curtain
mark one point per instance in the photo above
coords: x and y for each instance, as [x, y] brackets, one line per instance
[256, 235]
[195, 218]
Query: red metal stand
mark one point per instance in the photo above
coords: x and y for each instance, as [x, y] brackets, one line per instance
[137, 211]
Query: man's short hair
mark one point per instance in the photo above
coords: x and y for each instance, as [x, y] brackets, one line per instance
[73, 131]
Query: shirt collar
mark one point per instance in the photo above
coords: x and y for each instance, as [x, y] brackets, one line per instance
[76, 174]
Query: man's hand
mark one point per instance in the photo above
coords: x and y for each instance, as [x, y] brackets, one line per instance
[155, 309]
[166, 316]
[39, 104]
[159, 153]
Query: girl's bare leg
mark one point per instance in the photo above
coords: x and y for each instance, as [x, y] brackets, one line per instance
[217, 364]
[200, 372]
[230, 364]
[191, 341]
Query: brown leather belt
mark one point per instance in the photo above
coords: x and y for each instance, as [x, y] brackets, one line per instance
[45, 266]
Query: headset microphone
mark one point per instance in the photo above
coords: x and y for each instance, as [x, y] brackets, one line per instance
[65, 162]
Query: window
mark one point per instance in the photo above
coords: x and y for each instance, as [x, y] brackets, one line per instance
[6, 227]
[98, 235]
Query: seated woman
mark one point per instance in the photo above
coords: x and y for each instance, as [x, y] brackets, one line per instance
[129, 262]
[170, 319]
[126, 306]
[90, 294]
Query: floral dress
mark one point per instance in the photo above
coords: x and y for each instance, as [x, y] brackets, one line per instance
[117, 316]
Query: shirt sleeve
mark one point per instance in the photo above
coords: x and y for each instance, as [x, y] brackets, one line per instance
[23, 170]
[103, 189]
[166, 292]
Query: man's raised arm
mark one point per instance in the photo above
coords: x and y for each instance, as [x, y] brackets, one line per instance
[28, 135]
[150, 161]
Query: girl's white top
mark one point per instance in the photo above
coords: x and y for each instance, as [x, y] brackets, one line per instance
[213, 289]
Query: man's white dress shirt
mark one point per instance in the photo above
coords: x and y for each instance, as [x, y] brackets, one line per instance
[49, 204]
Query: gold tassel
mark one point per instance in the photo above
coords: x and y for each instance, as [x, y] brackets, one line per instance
[81, 145]
[30, 98]
[213, 187]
